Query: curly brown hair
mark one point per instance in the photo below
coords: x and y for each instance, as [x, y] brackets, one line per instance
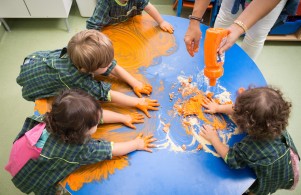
[73, 113]
[262, 112]
[90, 50]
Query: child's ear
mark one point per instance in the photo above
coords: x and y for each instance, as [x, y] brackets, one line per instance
[82, 70]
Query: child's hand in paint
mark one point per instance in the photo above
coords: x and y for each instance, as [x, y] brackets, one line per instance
[143, 88]
[145, 143]
[133, 118]
[210, 105]
[146, 104]
[167, 27]
[209, 133]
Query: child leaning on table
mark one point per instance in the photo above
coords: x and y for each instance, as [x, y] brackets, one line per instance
[109, 12]
[262, 113]
[89, 53]
[50, 148]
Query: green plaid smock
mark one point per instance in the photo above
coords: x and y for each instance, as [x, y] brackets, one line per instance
[56, 161]
[108, 12]
[270, 161]
[45, 73]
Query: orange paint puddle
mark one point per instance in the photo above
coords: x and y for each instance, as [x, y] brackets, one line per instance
[97, 171]
[137, 43]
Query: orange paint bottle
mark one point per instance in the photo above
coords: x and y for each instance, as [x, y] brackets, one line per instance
[215, 37]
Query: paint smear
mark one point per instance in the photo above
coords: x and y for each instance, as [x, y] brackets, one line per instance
[97, 171]
[138, 42]
[188, 106]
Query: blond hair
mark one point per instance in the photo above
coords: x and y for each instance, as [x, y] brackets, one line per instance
[90, 50]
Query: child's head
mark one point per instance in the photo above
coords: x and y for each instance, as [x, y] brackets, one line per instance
[261, 112]
[90, 50]
[74, 116]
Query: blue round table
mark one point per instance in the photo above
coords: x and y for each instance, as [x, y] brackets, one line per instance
[166, 171]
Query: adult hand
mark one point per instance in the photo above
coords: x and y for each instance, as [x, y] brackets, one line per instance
[192, 37]
[134, 118]
[141, 88]
[234, 33]
[167, 27]
[147, 104]
[144, 143]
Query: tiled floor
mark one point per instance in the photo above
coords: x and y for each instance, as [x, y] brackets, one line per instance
[280, 63]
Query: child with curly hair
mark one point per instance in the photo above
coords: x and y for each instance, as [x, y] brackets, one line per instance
[51, 147]
[262, 113]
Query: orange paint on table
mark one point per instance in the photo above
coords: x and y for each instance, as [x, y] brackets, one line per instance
[161, 87]
[166, 127]
[137, 42]
[193, 106]
[97, 171]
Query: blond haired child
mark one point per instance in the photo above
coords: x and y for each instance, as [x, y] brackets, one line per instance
[51, 147]
[109, 12]
[89, 53]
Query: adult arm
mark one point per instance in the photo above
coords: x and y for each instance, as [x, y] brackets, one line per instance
[255, 11]
[193, 33]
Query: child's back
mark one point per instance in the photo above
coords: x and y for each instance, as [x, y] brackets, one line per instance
[45, 73]
[270, 160]
[73, 118]
[268, 149]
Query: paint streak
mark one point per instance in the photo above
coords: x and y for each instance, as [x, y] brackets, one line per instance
[138, 42]
[97, 171]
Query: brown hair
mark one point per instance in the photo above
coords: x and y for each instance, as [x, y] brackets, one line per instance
[90, 50]
[73, 114]
[262, 112]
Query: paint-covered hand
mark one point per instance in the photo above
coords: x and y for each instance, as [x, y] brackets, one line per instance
[146, 104]
[210, 105]
[134, 118]
[167, 27]
[209, 133]
[143, 88]
[145, 143]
